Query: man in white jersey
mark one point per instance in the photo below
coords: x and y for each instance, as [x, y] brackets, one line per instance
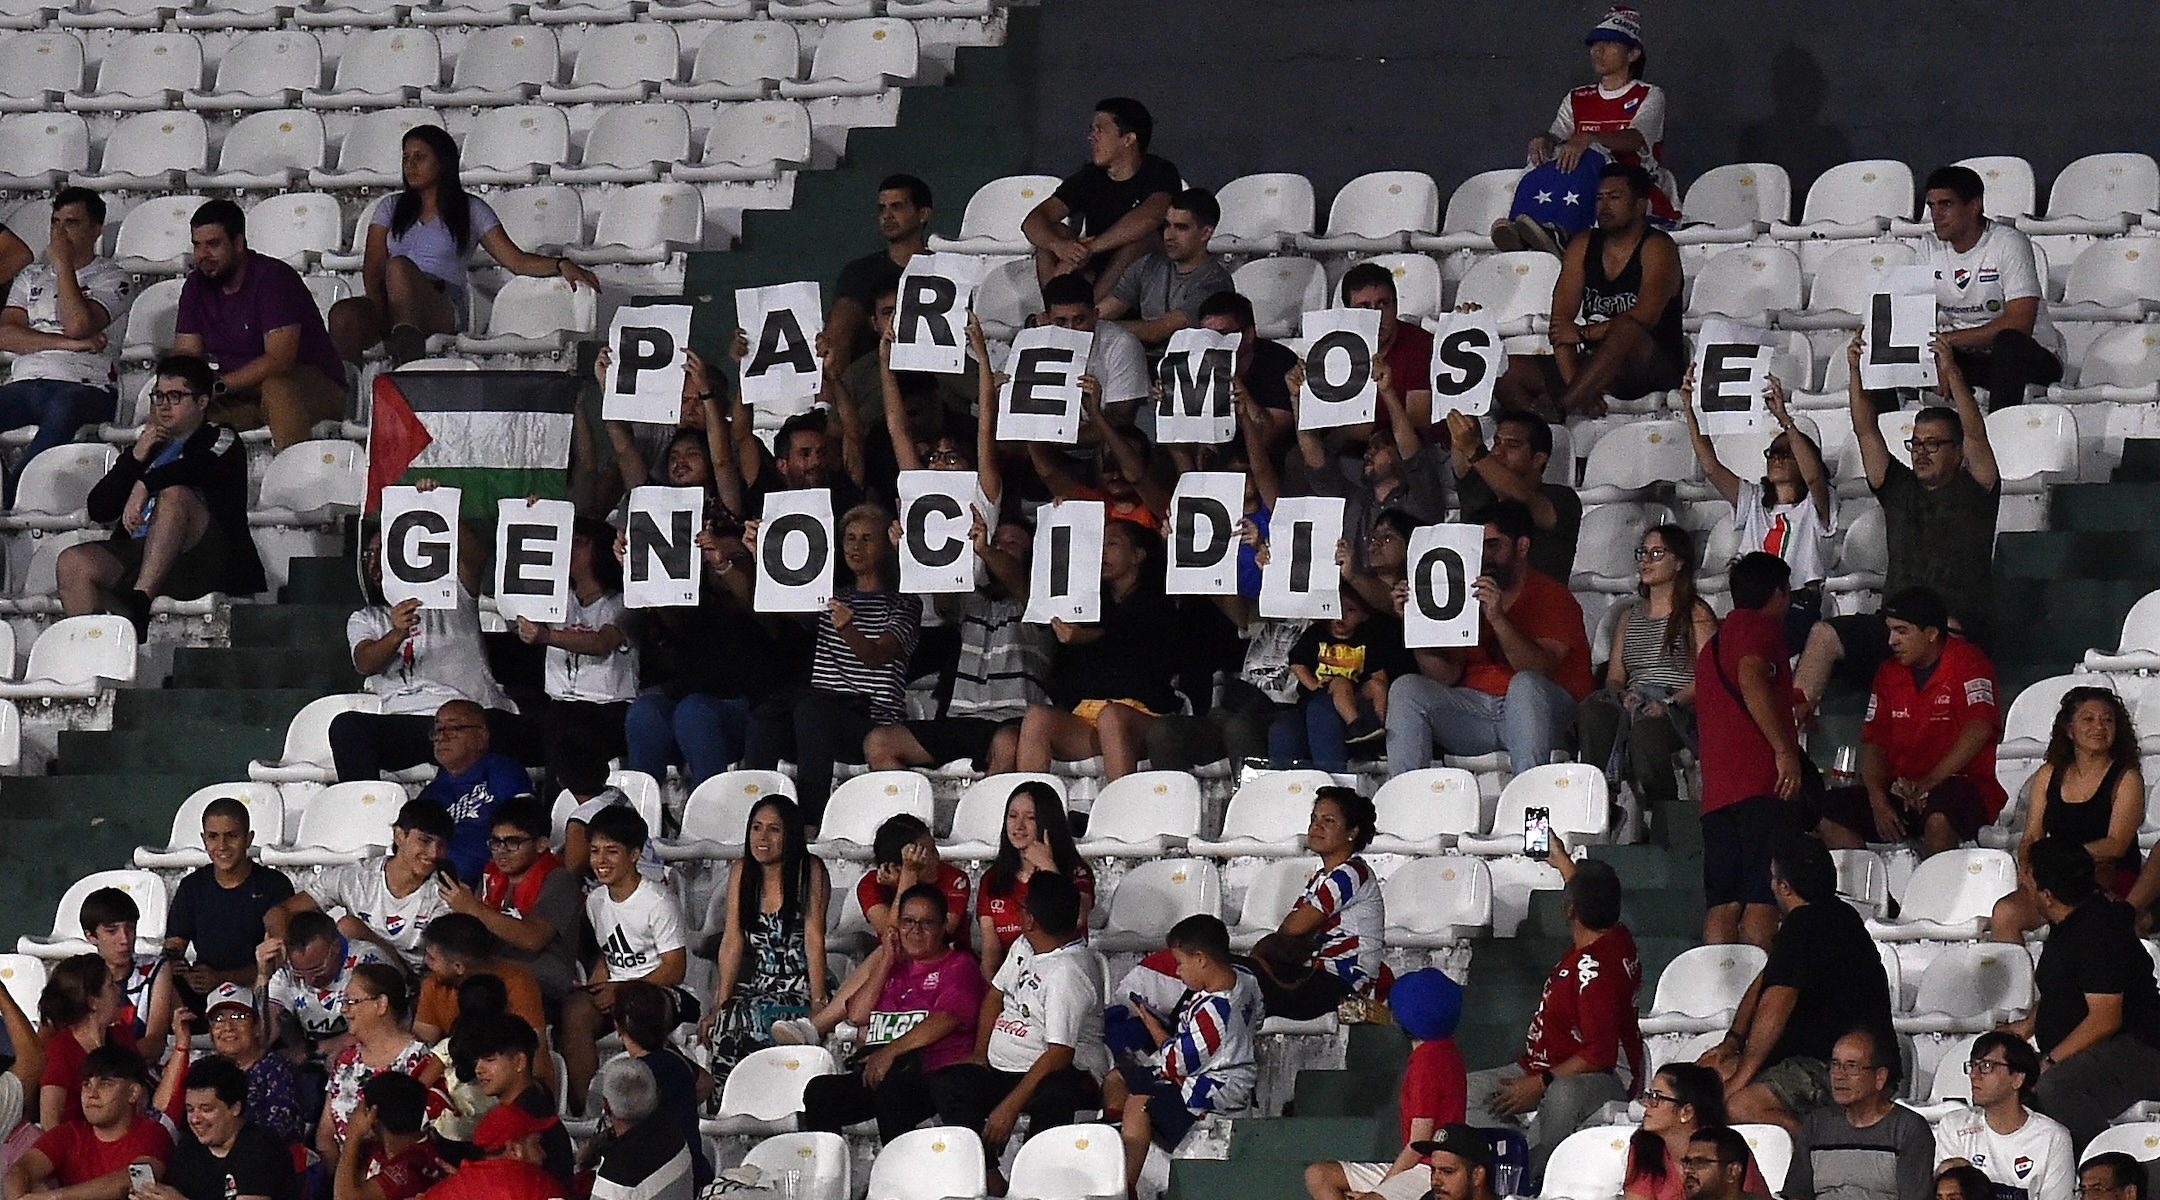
[302, 976]
[2026, 1155]
[386, 901]
[1987, 292]
[62, 324]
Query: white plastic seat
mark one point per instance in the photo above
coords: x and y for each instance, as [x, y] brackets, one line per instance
[343, 823]
[2035, 445]
[1864, 558]
[1589, 1163]
[542, 219]
[152, 151]
[1575, 792]
[382, 68]
[717, 814]
[498, 66]
[143, 73]
[631, 143]
[2115, 279]
[38, 150]
[620, 64]
[66, 939]
[1632, 458]
[762, 141]
[1700, 990]
[2138, 649]
[267, 151]
[352, 14]
[1605, 547]
[2007, 181]
[642, 790]
[24, 977]
[859, 58]
[2030, 719]
[307, 757]
[1843, 284]
[1971, 989]
[1746, 284]
[1140, 816]
[1424, 811]
[1950, 897]
[2099, 194]
[1438, 902]
[511, 146]
[38, 69]
[38, 593]
[978, 823]
[155, 237]
[1072, 1160]
[1471, 210]
[1516, 287]
[267, 70]
[312, 483]
[991, 224]
[2121, 366]
[1269, 897]
[119, 14]
[1863, 880]
[1152, 897]
[859, 805]
[740, 60]
[1008, 296]
[297, 227]
[1734, 204]
[648, 223]
[471, 13]
[821, 10]
[10, 732]
[938, 1163]
[25, 14]
[1282, 291]
[2138, 1139]
[1267, 817]
[703, 10]
[1852, 200]
[371, 154]
[1378, 212]
[534, 316]
[1772, 1149]
[1262, 213]
[53, 491]
[764, 1091]
[1417, 284]
[1951, 1086]
[183, 850]
[75, 659]
[232, 15]
[827, 1167]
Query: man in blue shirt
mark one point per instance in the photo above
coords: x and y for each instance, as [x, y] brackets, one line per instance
[472, 781]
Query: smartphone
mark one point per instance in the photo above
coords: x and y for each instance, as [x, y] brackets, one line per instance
[140, 1176]
[1537, 831]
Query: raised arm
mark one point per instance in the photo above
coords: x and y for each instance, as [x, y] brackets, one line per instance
[1720, 476]
[896, 422]
[1130, 461]
[1805, 456]
[1979, 455]
[1874, 452]
[1252, 426]
[989, 473]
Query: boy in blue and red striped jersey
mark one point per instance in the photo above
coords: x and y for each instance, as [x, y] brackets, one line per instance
[1207, 1064]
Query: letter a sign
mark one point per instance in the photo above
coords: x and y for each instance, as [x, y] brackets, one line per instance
[782, 323]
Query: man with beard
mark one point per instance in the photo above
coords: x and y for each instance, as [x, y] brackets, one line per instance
[1716, 1165]
[903, 220]
[252, 316]
[1516, 690]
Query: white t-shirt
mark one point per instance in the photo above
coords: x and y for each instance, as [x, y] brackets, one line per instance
[634, 933]
[1119, 362]
[320, 1010]
[442, 659]
[1972, 288]
[593, 678]
[1053, 999]
[363, 889]
[2034, 1163]
[1648, 120]
[649, 862]
[37, 292]
[1793, 532]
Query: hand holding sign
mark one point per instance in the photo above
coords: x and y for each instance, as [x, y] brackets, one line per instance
[937, 509]
[532, 560]
[935, 292]
[1193, 403]
[1442, 562]
[647, 354]
[660, 555]
[1894, 337]
[1339, 388]
[793, 547]
[1301, 578]
[1465, 363]
[1205, 510]
[1040, 400]
[1732, 367]
[420, 546]
[781, 323]
[1065, 582]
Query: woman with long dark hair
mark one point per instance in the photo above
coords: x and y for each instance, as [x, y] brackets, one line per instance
[772, 947]
[2088, 789]
[1036, 837]
[1645, 714]
[1682, 1098]
[417, 246]
[1329, 948]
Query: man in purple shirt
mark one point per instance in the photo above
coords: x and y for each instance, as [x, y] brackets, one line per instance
[252, 316]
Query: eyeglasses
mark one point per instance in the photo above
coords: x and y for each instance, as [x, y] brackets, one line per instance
[919, 923]
[231, 1018]
[171, 399]
[945, 456]
[509, 843]
[1651, 1098]
[1931, 445]
[1696, 1162]
[1652, 553]
[1850, 1068]
[1985, 1066]
[1776, 452]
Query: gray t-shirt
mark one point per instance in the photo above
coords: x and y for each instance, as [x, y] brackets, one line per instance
[1153, 287]
[1893, 1159]
[561, 903]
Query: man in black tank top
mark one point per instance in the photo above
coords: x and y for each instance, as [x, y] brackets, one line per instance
[1616, 313]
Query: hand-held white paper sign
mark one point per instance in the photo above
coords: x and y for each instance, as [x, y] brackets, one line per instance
[532, 559]
[930, 325]
[420, 546]
[1443, 561]
[661, 562]
[795, 549]
[1202, 532]
[782, 323]
[1465, 363]
[1339, 387]
[1900, 320]
[1732, 366]
[1195, 373]
[1301, 578]
[936, 512]
[647, 347]
[1040, 401]
[1065, 580]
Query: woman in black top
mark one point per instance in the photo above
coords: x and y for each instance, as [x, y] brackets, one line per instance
[2089, 790]
[1110, 679]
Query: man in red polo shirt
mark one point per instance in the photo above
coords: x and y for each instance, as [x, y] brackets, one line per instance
[1927, 758]
[1404, 344]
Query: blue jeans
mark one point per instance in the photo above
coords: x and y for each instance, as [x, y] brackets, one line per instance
[1312, 732]
[1528, 723]
[702, 732]
[57, 407]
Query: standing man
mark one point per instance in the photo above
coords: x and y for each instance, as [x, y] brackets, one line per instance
[252, 316]
[2026, 1155]
[1163, 292]
[903, 220]
[1109, 213]
[1987, 292]
[1863, 1145]
[61, 324]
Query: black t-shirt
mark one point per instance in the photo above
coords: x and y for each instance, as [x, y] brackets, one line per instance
[1271, 361]
[1552, 551]
[1824, 952]
[260, 1164]
[865, 279]
[558, 1156]
[1944, 539]
[1134, 658]
[676, 1080]
[2095, 952]
[225, 924]
[1100, 201]
[1375, 645]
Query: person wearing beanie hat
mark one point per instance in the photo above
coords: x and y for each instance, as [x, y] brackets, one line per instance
[1427, 1004]
[508, 1139]
[1927, 752]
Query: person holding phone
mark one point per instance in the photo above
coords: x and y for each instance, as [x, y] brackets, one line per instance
[103, 1151]
[225, 1156]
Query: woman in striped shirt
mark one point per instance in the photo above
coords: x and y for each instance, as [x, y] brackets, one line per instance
[1646, 712]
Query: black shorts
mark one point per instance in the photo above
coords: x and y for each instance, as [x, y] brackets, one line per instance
[949, 739]
[1736, 849]
[209, 566]
[1662, 372]
[1955, 799]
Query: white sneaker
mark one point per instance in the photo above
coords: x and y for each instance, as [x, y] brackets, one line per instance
[795, 1031]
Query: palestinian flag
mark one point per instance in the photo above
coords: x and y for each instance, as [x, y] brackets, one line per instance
[495, 434]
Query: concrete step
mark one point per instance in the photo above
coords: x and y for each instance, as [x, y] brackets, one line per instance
[252, 708]
[2105, 506]
[61, 828]
[320, 669]
[1305, 1139]
[307, 626]
[323, 581]
[2079, 554]
[180, 750]
[2140, 462]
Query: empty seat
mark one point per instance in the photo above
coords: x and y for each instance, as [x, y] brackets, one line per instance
[1971, 989]
[2138, 1139]
[155, 238]
[991, 224]
[298, 227]
[1008, 296]
[978, 823]
[2034, 444]
[142, 73]
[766, 1088]
[703, 10]
[77, 658]
[1417, 284]
[821, 10]
[118, 14]
[2138, 649]
[511, 146]
[631, 143]
[1155, 895]
[2101, 194]
[620, 64]
[1422, 811]
[1631, 459]
[354, 14]
[498, 66]
[1438, 902]
[307, 757]
[1480, 200]
[471, 12]
[1734, 203]
[1268, 816]
[183, 851]
[1574, 793]
[1269, 897]
[2007, 182]
[1516, 286]
[382, 68]
[859, 805]
[740, 60]
[24, 978]
[152, 151]
[2116, 279]
[263, 71]
[1700, 990]
[534, 316]
[312, 483]
[1074, 1160]
[1142, 814]
[717, 813]
[861, 58]
[1950, 897]
[38, 69]
[1378, 212]
[2121, 366]
[343, 823]
[1282, 291]
[66, 940]
[827, 1168]
[1605, 551]
[53, 490]
[1589, 1163]
[1864, 558]
[749, 143]
[1853, 200]
[1262, 213]
[25, 14]
[267, 151]
[234, 14]
[648, 223]
[1746, 284]
[38, 150]
[1843, 283]
[928, 1164]
[541, 220]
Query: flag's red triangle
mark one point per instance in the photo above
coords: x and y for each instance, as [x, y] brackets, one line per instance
[395, 438]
